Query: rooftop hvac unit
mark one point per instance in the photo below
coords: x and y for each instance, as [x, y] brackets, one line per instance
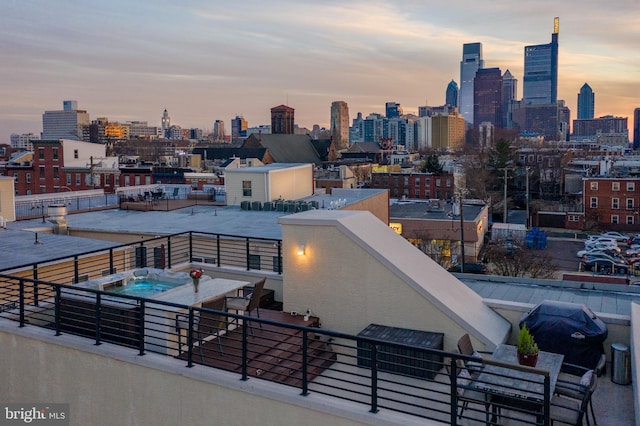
[268, 206]
[256, 205]
[245, 205]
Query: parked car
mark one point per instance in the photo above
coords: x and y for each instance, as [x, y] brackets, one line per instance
[615, 235]
[470, 268]
[605, 265]
[602, 247]
[633, 240]
[607, 251]
[600, 239]
[614, 258]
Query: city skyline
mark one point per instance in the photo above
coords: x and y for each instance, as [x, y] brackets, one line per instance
[205, 62]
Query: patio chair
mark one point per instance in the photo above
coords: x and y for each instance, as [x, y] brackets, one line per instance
[205, 324]
[575, 387]
[569, 410]
[465, 347]
[466, 390]
[247, 303]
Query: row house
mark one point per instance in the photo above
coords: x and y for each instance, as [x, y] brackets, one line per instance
[415, 185]
[611, 203]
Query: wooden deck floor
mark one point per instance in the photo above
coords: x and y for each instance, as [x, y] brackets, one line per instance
[274, 353]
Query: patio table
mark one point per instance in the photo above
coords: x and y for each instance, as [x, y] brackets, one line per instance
[515, 387]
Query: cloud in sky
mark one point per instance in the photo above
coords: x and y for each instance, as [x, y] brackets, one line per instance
[203, 60]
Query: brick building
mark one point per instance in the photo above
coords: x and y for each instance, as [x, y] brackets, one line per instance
[415, 185]
[611, 203]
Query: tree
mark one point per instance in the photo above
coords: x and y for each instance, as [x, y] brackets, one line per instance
[431, 164]
[516, 261]
[501, 156]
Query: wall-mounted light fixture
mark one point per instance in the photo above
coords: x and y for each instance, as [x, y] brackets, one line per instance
[301, 250]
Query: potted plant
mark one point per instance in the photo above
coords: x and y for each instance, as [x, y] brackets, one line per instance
[527, 348]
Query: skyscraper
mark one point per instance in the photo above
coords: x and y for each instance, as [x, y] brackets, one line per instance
[471, 62]
[68, 123]
[509, 95]
[282, 120]
[487, 97]
[393, 110]
[636, 128]
[451, 97]
[340, 124]
[218, 131]
[586, 103]
[166, 124]
[238, 128]
[541, 71]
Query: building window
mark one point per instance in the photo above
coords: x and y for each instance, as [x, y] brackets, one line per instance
[15, 177]
[629, 203]
[126, 180]
[417, 181]
[427, 182]
[107, 180]
[75, 154]
[406, 180]
[41, 169]
[448, 183]
[574, 218]
[614, 219]
[43, 189]
[406, 192]
[147, 180]
[615, 186]
[68, 179]
[78, 179]
[593, 186]
[28, 176]
[631, 186]
[55, 153]
[629, 220]
[437, 181]
[41, 153]
[594, 202]
[615, 203]
[246, 188]
[136, 180]
[56, 173]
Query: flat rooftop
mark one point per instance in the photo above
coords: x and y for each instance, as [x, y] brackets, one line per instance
[423, 210]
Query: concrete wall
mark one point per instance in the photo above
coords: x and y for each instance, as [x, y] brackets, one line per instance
[357, 271]
[291, 183]
[377, 204]
[269, 183]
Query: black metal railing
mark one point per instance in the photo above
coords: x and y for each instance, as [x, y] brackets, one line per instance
[32, 209]
[372, 373]
[221, 250]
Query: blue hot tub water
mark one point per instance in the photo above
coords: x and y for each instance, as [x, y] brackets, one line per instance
[143, 287]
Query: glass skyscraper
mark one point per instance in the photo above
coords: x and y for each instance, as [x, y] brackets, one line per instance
[509, 95]
[488, 97]
[471, 62]
[586, 103]
[452, 94]
[541, 71]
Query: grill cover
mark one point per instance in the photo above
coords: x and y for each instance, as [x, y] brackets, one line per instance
[570, 329]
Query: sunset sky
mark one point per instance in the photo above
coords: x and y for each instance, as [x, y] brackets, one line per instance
[208, 60]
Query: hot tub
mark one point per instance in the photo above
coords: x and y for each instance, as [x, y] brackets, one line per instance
[145, 282]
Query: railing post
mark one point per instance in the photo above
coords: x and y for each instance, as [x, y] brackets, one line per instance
[169, 251]
[280, 257]
[141, 335]
[98, 311]
[546, 419]
[305, 345]
[374, 378]
[36, 302]
[247, 253]
[218, 248]
[111, 261]
[244, 351]
[76, 267]
[453, 374]
[190, 336]
[58, 291]
[21, 290]
[190, 246]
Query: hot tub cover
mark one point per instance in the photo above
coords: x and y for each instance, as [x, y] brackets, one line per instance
[570, 329]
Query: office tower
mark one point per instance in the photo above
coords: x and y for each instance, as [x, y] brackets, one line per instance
[636, 128]
[393, 110]
[218, 131]
[68, 123]
[238, 128]
[586, 103]
[451, 97]
[509, 95]
[541, 71]
[447, 131]
[471, 62]
[340, 124]
[487, 97]
[356, 132]
[166, 124]
[23, 142]
[282, 120]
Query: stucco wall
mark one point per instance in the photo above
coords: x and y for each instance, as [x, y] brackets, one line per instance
[110, 385]
[351, 283]
[291, 183]
[7, 197]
